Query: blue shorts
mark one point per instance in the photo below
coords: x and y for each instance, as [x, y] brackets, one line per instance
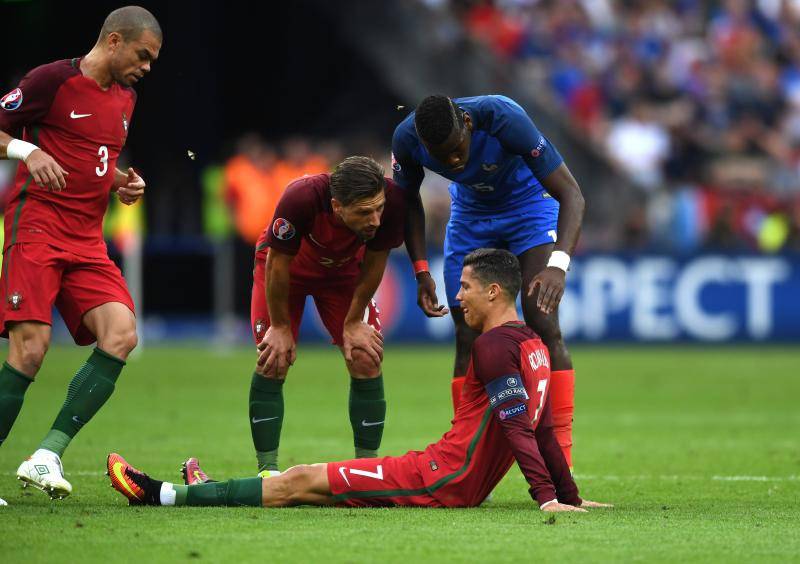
[523, 231]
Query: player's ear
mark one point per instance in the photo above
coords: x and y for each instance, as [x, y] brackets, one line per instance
[114, 40]
[468, 122]
[336, 205]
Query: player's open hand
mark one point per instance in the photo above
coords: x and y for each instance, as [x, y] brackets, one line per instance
[556, 507]
[46, 172]
[133, 189]
[277, 352]
[426, 296]
[550, 283]
[587, 503]
[359, 335]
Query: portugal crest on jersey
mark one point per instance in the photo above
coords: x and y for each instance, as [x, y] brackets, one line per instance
[283, 229]
[12, 100]
[14, 300]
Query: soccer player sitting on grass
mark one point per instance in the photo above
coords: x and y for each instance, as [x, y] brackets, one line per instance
[504, 416]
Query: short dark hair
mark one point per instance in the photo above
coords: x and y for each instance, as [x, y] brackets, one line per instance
[435, 118]
[496, 266]
[356, 178]
[130, 22]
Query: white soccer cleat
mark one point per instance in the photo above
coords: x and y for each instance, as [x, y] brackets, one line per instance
[2, 502]
[269, 473]
[43, 471]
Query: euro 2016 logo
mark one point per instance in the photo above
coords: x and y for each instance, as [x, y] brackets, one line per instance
[283, 229]
[12, 100]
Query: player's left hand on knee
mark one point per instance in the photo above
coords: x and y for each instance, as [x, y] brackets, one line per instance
[550, 283]
[360, 335]
[133, 189]
[587, 503]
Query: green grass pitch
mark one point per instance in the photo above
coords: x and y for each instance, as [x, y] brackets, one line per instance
[699, 449]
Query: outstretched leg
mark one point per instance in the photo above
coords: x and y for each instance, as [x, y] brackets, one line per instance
[299, 485]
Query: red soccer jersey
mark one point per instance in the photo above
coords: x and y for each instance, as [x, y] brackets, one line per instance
[305, 226]
[504, 415]
[84, 128]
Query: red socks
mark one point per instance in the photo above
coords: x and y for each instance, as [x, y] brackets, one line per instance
[562, 404]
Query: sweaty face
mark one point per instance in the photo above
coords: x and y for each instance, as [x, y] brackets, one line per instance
[454, 151]
[131, 60]
[363, 217]
[473, 298]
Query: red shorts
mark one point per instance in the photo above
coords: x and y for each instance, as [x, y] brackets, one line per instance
[332, 301]
[36, 276]
[380, 482]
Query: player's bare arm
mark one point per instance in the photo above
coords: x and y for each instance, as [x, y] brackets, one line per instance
[416, 247]
[551, 281]
[358, 334]
[46, 172]
[128, 185]
[277, 349]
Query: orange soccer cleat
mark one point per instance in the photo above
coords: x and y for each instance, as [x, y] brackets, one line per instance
[130, 482]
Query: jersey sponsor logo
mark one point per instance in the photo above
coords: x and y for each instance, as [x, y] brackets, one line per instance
[73, 115]
[395, 165]
[14, 300]
[538, 358]
[536, 151]
[12, 100]
[504, 389]
[283, 229]
[513, 411]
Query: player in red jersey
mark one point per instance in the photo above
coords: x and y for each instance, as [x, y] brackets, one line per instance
[330, 239]
[504, 415]
[73, 117]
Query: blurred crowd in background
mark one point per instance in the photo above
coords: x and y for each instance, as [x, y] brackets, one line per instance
[697, 102]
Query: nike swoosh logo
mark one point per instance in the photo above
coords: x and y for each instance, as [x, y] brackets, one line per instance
[78, 421]
[342, 471]
[116, 470]
[73, 115]
[254, 420]
[197, 476]
[365, 423]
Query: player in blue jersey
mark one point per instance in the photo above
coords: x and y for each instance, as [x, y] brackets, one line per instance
[510, 189]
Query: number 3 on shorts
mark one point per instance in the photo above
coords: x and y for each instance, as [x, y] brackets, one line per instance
[102, 152]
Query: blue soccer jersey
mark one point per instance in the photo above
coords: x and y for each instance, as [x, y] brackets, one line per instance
[498, 199]
[508, 158]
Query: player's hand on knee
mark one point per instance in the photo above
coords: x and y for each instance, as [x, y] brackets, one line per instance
[359, 335]
[555, 507]
[587, 503]
[426, 296]
[550, 283]
[277, 351]
[46, 172]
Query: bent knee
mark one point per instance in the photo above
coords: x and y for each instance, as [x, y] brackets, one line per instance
[363, 365]
[120, 343]
[29, 356]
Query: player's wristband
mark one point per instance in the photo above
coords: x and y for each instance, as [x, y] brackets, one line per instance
[559, 259]
[421, 266]
[546, 503]
[18, 149]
